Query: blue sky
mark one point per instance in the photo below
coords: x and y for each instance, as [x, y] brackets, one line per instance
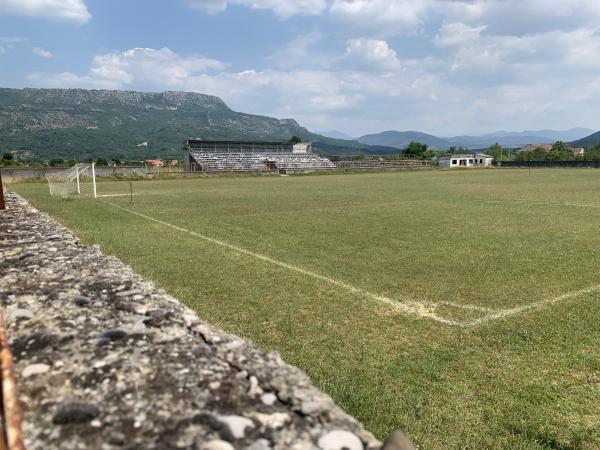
[447, 67]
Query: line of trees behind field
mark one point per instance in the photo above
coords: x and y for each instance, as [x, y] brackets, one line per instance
[560, 151]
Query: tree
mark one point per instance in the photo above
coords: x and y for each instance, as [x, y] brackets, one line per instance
[559, 152]
[453, 150]
[430, 154]
[415, 148]
[295, 139]
[57, 162]
[8, 156]
[593, 153]
[537, 154]
[496, 151]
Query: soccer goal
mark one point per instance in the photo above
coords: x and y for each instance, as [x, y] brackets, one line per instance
[78, 181]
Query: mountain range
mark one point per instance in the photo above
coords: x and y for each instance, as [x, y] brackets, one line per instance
[79, 124]
[400, 139]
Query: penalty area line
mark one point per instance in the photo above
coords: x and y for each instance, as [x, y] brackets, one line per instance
[410, 307]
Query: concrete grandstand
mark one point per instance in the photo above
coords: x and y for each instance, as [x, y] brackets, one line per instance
[234, 156]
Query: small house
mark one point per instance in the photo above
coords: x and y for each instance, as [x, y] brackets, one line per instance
[468, 160]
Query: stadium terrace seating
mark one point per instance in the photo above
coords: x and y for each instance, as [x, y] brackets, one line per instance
[259, 161]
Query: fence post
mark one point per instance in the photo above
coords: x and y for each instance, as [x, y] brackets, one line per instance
[2, 204]
[94, 178]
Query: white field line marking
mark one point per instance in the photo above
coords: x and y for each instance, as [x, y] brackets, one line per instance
[116, 195]
[536, 305]
[421, 309]
[525, 202]
[466, 306]
[409, 306]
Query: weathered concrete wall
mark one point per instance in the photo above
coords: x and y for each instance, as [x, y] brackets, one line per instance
[105, 360]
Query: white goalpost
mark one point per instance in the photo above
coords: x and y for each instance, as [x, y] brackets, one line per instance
[78, 181]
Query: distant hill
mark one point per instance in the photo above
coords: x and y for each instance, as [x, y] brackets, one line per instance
[334, 134]
[519, 138]
[477, 142]
[400, 139]
[588, 141]
[553, 135]
[78, 123]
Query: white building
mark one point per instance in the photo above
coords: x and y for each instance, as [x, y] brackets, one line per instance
[470, 160]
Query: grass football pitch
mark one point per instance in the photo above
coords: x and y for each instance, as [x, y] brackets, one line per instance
[459, 306]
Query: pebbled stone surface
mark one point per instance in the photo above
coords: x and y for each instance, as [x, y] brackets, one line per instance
[112, 362]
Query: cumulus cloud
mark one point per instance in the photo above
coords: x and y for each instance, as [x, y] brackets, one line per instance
[385, 18]
[372, 53]
[517, 17]
[64, 10]
[42, 53]
[282, 8]
[144, 66]
[381, 17]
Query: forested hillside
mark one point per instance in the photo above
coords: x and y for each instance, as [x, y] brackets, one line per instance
[78, 124]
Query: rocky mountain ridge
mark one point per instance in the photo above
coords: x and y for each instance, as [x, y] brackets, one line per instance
[79, 123]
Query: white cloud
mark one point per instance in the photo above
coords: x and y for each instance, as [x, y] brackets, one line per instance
[457, 34]
[64, 10]
[282, 8]
[372, 53]
[143, 66]
[42, 53]
[381, 17]
[9, 43]
[518, 17]
[386, 18]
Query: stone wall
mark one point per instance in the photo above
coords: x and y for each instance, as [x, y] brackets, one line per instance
[105, 360]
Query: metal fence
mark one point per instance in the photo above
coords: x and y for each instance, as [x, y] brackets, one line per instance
[41, 172]
[549, 164]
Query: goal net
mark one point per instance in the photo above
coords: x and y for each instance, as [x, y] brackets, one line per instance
[78, 181]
